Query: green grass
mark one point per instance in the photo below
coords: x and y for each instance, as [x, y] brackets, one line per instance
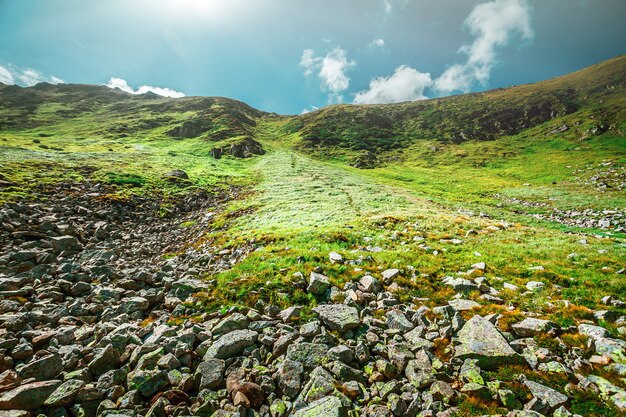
[304, 200]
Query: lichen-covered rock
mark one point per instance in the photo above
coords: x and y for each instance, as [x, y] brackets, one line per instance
[65, 393]
[479, 339]
[231, 344]
[28, 396]
[532, 326]
[338, 317]
[318, 284]
[310, 355]
[327, 407]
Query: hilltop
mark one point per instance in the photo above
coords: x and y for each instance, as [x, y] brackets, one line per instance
[457, 256]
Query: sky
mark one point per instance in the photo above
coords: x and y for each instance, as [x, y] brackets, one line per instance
[294, 56]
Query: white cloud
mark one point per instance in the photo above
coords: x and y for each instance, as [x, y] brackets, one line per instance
[123, 85]
[25, 77]
[405, 84]
[6, 77]
[377, 43]
[492, 24]
[331, 70]
[309, 110]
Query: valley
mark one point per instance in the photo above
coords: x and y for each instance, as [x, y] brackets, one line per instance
[451, 257]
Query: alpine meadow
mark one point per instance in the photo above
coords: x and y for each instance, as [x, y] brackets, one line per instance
[452, 256]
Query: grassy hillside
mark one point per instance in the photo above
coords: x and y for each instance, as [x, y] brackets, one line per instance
[530, 180]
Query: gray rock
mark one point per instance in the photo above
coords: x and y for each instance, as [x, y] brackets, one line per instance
[531, 326]
[318, 284]
[551, 398]
[310, 355]
[327, 407]
[105, 360]
[210, 374]
[338, 317]
[370, 284]
[461, 304]
[397, 320]
[479, 339]
[389, 274]
[42, 369]
[231, 344]
[289, 314]
[593, 332]
[68, 244]
[289, 375]
[65, 394]
[235, 321]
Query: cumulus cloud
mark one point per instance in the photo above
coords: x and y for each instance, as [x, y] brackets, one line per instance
[330, 69]
[123, 85]
[25, 77]
[377, 43]
[405, 84]
[493, 24]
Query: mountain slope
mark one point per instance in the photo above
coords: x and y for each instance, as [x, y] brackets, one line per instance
[129, 241]
[478, 116]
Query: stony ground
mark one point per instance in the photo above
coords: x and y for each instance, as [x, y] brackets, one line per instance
[93, 295]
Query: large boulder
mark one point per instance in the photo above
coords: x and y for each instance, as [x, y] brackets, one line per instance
[479, 339]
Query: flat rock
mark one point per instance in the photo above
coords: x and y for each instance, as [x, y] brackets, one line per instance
[480, 339]
[338, 317]
[327, 407]
[461, 304]
[28, 396]
[548, 396]
[231, 344]
[531, 326]
[310, 355]
[593, 332]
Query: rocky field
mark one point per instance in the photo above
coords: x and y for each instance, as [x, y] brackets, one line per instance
[455, 257]
[95, 322]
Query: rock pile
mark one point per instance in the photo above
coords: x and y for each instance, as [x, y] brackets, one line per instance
[91, 326]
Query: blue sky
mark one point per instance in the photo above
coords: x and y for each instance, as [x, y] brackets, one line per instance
[288, 56]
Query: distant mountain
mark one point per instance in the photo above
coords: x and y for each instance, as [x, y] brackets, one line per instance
[597, 92]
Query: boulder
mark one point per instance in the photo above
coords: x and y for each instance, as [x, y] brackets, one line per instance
[28, 396]
[338, 317]
[318, 284]
[479, 339]
[231, 344]
[531, 326]
[327, 407]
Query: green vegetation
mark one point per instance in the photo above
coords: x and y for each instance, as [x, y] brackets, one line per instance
[452, 182]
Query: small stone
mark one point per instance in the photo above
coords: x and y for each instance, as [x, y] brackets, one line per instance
[318, 284]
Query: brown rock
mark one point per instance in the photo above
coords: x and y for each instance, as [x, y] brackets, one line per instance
[28, 396]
